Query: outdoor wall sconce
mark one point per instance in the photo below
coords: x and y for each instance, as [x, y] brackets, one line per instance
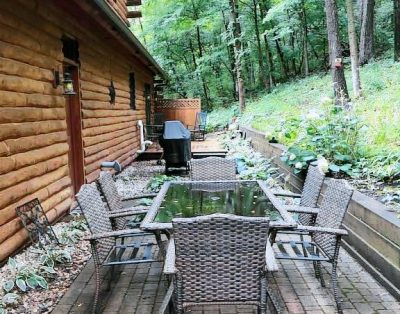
[111, 92]
[68, 84]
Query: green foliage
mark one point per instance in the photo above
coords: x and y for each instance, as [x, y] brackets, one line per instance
[158, 180]
[251, 165]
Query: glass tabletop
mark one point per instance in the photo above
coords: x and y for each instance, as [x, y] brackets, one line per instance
[242, 198]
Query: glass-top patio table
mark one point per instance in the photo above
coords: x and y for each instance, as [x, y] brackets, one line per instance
[198, 198]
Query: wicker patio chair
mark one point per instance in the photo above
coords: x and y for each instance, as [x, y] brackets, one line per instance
[198, 130]
[213, 169]
[115, 202]
[325, 234]
[219, 259]
[106, 250]
[309, 196]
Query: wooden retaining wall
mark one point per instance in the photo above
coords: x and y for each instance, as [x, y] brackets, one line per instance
[183, 110]
[374, 237]
[33, 131]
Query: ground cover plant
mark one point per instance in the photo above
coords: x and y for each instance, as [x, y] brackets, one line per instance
[362, 143]
[35, 279]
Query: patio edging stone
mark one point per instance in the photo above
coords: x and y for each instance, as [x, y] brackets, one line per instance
[374, 232]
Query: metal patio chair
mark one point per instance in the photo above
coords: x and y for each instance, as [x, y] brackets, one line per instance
[212, 169]
[115, 202]
[155, 130]
[309, 196]
[219, 259]
[325, 235]
[106, 250]
[36, 223]
[198, 130]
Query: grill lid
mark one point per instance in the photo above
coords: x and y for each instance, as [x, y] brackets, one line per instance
[174, 130]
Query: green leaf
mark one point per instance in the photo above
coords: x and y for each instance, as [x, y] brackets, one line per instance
[12, 263]
[8, 285]
[345, 167]
[42, 282]
[21, 284]
[334, 168]
[32, 282]
[10, 298]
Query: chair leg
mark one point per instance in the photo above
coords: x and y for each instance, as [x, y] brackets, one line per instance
[321, 277]
[262, 309]
[336, 288]
[111, 278]
[97, 278]
[178, 295]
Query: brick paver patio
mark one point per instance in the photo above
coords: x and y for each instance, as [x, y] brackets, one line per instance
[139, 289]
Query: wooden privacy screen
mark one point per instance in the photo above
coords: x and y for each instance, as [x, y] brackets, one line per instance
[183, 110]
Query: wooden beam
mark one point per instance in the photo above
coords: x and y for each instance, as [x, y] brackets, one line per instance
[133, 14]
[133, 2]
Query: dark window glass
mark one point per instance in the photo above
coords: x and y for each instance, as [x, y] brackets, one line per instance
[132, 88]
[70, 49]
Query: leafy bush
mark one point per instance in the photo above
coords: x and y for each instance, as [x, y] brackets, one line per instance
[158, 180]
[334, 136]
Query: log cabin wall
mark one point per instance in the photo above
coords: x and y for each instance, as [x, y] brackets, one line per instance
[119, 6]
[33, 131]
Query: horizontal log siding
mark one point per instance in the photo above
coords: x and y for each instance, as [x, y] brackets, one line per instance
[33, 136]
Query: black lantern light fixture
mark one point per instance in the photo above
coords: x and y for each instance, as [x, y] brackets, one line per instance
[68, 84]
[111, 92]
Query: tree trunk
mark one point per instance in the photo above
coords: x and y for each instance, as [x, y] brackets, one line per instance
[262, 72]
[305, 38]
[367, 32]
[335, 54]
[231, 57]
[270, 61]
[238, 52]
[396, 30]
[285, 69]
[355, 72]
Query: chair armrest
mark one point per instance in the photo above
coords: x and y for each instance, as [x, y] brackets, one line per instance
[115, 234]
[287, 194]
[270, 262]
[301, 209]
[150, 195]
[312, 229]
[169, 262]
[128, 212]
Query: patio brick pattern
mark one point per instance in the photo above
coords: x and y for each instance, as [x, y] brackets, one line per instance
[140, 289]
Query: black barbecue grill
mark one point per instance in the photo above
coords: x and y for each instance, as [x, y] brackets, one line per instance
[176, 144]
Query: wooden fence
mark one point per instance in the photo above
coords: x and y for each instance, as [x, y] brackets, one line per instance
[183, 110]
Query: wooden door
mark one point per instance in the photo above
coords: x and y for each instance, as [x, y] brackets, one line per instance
[74, 131]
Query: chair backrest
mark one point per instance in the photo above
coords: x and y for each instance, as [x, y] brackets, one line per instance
[96, 215]
[36, 223]
[333, 208]
[201, 120]
[220, 257]
[159, 118]
[311, 190]
[213, 169]
[111, 195]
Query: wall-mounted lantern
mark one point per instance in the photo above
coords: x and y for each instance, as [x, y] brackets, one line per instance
[68, 84]
[111, 92]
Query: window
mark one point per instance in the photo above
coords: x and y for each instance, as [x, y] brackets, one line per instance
[70, 48]
[132, 88]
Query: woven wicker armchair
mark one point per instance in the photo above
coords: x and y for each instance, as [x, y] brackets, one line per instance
[309, 196]
[325, 234]
[115, 202]
[213, 169]
[219, 259]
[106, 250]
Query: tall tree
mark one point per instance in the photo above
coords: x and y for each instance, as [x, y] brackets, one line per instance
[355, 72]
[262, 71]
[236, 30]
[303, 18]
[396, 30]
[367, 31]
[335, 53]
